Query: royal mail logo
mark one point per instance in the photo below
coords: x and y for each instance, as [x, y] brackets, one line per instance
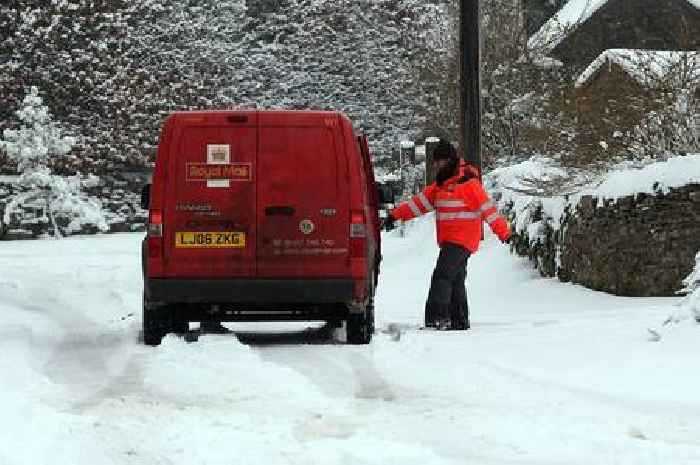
[208, 172]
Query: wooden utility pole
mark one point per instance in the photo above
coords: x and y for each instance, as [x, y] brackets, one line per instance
[470, 81]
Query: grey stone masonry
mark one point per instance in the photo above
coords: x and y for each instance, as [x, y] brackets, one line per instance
[641, 245]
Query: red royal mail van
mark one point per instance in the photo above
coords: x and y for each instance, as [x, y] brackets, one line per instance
[260, 215]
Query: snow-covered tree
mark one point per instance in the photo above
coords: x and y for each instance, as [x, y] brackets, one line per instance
[37, 142]
[38, 139]
[669, 130]
[117, 68]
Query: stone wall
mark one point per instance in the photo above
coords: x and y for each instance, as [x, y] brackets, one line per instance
[642, 245]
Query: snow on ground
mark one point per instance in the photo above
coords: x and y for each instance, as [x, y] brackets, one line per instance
[551, 373]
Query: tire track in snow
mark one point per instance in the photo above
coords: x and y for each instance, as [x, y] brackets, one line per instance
[87, 359]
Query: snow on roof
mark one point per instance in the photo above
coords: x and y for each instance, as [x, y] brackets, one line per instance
[571, 15]
[574, 13]
[647, 67]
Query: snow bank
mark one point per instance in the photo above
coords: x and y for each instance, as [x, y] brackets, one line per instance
[656, 177]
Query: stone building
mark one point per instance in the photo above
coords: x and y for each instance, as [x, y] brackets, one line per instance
[622, 86]
[627, 55]
[583, 29]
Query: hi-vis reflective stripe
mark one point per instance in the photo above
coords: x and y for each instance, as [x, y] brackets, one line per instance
[487, 205]
[414, 208]
[424, 200]
[458, 216]
[450, 203]
[491, 218]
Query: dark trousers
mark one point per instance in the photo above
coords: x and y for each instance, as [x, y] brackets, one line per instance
[447, 299]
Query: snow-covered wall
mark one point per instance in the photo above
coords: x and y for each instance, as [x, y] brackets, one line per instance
[634, 232]
[639, 245]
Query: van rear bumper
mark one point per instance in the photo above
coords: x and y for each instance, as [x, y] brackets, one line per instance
[250, 291]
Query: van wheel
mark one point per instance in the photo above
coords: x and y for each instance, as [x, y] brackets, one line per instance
[360, 326]
[156, 322]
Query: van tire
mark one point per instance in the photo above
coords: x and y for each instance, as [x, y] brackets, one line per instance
[156, 322]
[360, 326]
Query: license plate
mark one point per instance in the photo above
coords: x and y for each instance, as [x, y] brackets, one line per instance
[209, 240]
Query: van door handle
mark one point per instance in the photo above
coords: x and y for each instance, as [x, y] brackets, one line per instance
[280, 210]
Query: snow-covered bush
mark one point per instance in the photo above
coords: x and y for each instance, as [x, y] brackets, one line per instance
[33, 147]
[692, 290]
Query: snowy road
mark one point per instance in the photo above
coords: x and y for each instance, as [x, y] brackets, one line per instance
[551, 373]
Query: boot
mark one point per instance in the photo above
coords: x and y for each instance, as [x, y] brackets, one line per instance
[430, 320]
[459, 318]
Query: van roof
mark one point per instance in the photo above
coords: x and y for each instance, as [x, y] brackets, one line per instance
[243, 110]
[264, 117]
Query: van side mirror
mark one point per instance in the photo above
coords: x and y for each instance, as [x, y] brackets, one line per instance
[146, 196]
[386, 193]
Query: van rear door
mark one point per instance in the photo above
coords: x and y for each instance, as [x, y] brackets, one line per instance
[210, 221]
[371, 189]
[303, 196]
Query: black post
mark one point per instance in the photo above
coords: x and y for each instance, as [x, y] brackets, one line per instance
[470, 81]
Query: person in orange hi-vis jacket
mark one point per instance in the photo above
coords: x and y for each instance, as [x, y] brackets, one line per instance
[460, 204]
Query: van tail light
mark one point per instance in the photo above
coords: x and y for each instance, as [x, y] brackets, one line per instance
[155, 233]
[155, 223]
[358, 234]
